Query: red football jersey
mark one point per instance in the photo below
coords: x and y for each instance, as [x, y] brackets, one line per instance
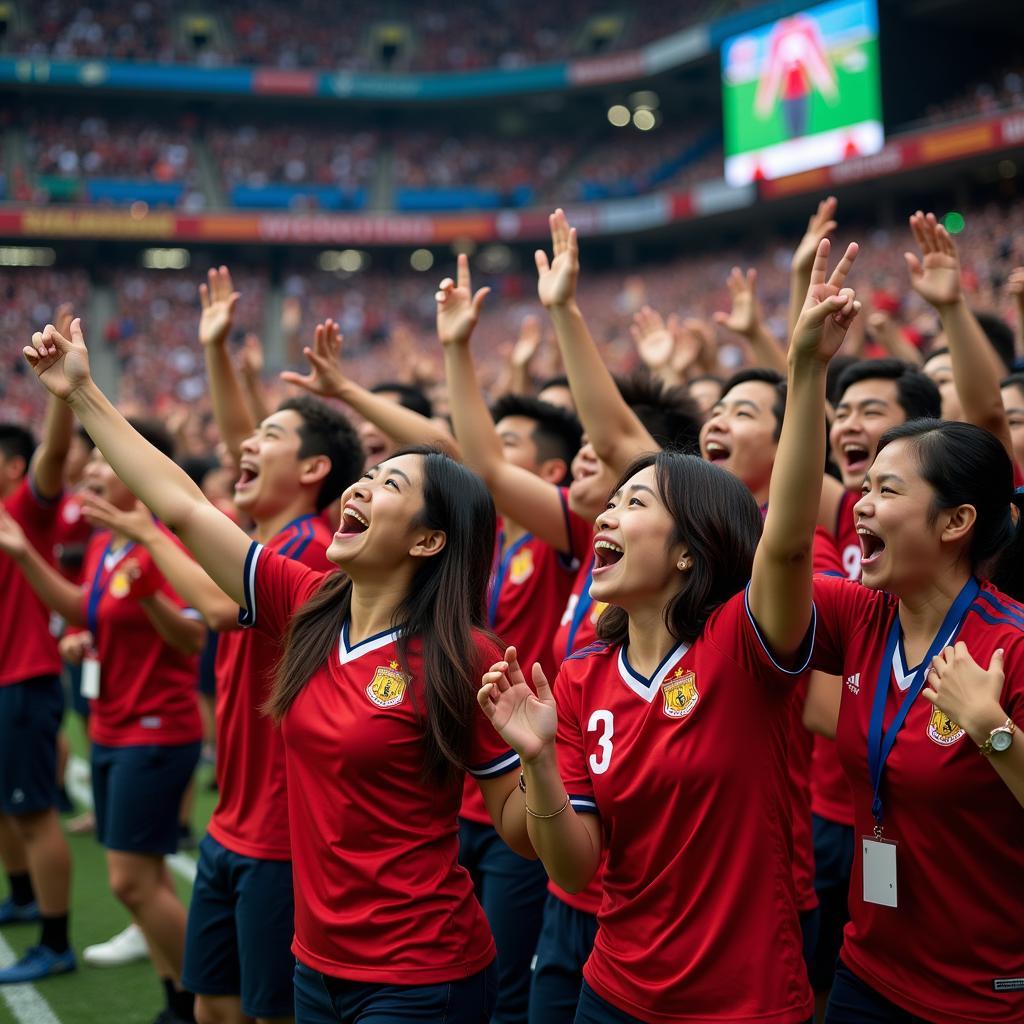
[529, 587]
[846, 537]
[147, 688]
[952, 949]
[71, 538]
[251, 817]
[688, 773]
[27, 648]
[379, 893]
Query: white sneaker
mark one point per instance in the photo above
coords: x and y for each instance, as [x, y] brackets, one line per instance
[124, 948]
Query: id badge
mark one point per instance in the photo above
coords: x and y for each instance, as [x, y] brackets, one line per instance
[90, 678]
[879, 863]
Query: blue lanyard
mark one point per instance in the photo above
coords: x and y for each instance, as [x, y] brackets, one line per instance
[879, 746]
[97, 589]
[500, 573]
[583, 604]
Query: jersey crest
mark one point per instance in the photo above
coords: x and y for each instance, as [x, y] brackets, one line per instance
[521, 567]
[680, 693]
[942, 729]
[120, 584]
[388, 685]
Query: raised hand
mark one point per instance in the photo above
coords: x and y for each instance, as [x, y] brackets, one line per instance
[556, 281]
[965, 692]
[936, 276]
[1015, 286]
[829, 308]
[655, 340]
[218, 299]
[458, 307]
[821, 224]
[136, 524]
[61, 363]
[528, 342]
[251, 356]
[526, 720]
[325, 376]
[745, 317]
[12, 537]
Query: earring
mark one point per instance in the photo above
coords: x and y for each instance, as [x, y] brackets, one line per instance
[683, 563]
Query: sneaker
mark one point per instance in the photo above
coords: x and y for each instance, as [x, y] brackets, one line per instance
[126, 947]
[39, 962]
[18, 913]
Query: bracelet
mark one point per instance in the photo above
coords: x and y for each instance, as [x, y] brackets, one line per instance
[553, 814]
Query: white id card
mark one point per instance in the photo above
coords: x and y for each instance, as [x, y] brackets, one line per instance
[90, 678]
[879, 861]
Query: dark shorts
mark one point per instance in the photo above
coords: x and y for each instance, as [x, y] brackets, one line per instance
[137, 794]
[566, 939]
[80, 704]
[833, 862]
[240, 927]
[323, 1000]
[207, 682]
[512, 891]
[30, 717]
[854, 1002]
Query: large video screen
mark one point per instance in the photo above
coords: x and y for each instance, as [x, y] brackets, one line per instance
[802, 92]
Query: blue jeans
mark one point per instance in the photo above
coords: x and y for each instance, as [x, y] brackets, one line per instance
[323, 1000]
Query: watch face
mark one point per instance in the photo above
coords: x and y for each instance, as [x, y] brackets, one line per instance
[1002, 739]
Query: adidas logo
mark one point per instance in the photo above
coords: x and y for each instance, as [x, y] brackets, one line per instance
[853, 683]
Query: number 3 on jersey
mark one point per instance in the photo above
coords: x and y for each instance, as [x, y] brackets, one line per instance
[601, 721]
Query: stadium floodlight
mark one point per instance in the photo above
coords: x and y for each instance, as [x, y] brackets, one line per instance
[645, 99]
[348, 261]
[644, 120]
[421, 259]
[618, 115]
[26, 256]
[166, 259]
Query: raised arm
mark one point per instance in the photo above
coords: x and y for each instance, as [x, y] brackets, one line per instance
[780, 586]
[746, 320]
[886, 332]
[218, 300]
[325, 378]
[518, 493]
[977, 371]
[613, 428]
[57, 593]
[821, 224]
[47, 469]
[177, 629]
[250, 364]
[1015, 286]
[183, 573]
[62, 365]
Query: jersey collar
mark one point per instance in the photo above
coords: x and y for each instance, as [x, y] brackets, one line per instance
[348, 652]
[641, 685]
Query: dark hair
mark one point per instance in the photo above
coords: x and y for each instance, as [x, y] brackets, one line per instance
[197, 466]
[443, 609]
[409, 397]
[156, 434]
[15, 441]
[942, 350]
[557, 432]
[836, 367]
[83, 435]
[966, 465]
[669, 414]
[916, 392]
[762, 375]
[559, 381]
[718, 520]
[1015, 380]
[999, 334]
[326, 431]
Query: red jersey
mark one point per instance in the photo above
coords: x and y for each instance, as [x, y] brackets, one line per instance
[71, 538]
[379, 893]
[529, 586]
[27, 648]
[147, 688]
[846, 537]
[952, 950]
[251, 817]
[578, 628]
[687, 770]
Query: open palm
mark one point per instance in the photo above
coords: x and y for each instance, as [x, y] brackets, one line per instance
[556, 281]
[61, 363]
[218, 299]
[325, 377]
[458, 307]
[526, 720]
[936, 275]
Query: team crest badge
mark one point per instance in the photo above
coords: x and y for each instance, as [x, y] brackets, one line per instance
[942, 729]
[387, 687]
[521, 568]
[680, 693]
[120, 585]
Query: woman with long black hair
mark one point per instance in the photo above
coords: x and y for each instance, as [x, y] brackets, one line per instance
[375, 694]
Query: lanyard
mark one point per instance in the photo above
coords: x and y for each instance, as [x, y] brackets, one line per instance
[501, 572]
[583, 603]
[879, 745]
[99, 586]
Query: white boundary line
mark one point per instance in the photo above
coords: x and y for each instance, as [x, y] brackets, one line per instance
[76, 777]
[24, 1002]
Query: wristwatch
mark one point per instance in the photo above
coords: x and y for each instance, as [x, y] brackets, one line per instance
[999, 739]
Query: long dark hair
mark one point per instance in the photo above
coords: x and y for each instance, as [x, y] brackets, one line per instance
[444, 607]
[966, 465]
[718, 520]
